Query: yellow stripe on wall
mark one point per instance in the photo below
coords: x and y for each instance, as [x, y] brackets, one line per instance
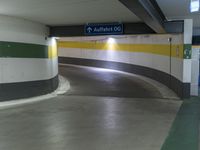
[195, 46]
[177, 51]
[159, 49]
[52, 51]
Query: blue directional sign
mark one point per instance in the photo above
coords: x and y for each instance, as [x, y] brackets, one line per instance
[104, 29]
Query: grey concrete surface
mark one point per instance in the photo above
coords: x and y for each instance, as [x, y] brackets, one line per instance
[90, 81]
[80, 121]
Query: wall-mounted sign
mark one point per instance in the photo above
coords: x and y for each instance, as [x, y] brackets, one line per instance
[104, 29]
[187, 51]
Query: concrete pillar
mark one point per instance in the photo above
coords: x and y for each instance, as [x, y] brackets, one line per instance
[28, 60]
[195, 71]
[188, 29]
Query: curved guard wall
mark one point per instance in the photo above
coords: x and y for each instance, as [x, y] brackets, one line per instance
[28, 60]
[153, 56]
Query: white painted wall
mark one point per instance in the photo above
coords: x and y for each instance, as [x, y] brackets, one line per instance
[158, 62]
[25, 69]
[20, 30]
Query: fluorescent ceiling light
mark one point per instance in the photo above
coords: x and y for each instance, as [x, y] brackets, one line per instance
[194, 5]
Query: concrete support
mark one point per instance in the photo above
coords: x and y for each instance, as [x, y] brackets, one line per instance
[187, 51]
[28, 59]
[147, 12]
[195, 71]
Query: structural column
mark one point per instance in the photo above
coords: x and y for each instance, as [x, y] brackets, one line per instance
[187, 51]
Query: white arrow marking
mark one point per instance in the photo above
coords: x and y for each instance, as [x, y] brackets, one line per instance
[89, 29]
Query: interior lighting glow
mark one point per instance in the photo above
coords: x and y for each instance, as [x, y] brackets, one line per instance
[111, 44]
[111, 41]
[194, 5]
[57, 38]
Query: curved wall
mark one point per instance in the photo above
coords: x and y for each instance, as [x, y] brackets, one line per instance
[28, 60]
[149, 55]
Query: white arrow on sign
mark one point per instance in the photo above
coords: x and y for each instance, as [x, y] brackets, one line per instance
[89, 29]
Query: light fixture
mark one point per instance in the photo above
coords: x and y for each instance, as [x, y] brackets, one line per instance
[111, 40]
[194, 6]
[111, 44]
[57, 38]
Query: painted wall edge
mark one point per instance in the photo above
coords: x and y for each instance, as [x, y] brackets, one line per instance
[11, 91]
[180, 88]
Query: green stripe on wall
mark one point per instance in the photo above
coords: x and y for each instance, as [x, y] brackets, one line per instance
[23, 50]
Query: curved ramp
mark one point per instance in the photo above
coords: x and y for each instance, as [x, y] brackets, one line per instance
[89, 81]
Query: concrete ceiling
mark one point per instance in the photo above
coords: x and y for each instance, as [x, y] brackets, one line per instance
[68, 12]
[179, 9]
[76, 12]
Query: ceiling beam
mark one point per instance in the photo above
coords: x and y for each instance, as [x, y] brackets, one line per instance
[149, 12]
[176, 26]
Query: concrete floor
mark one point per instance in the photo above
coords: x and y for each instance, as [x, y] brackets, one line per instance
[89, 81]
[102, 111]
